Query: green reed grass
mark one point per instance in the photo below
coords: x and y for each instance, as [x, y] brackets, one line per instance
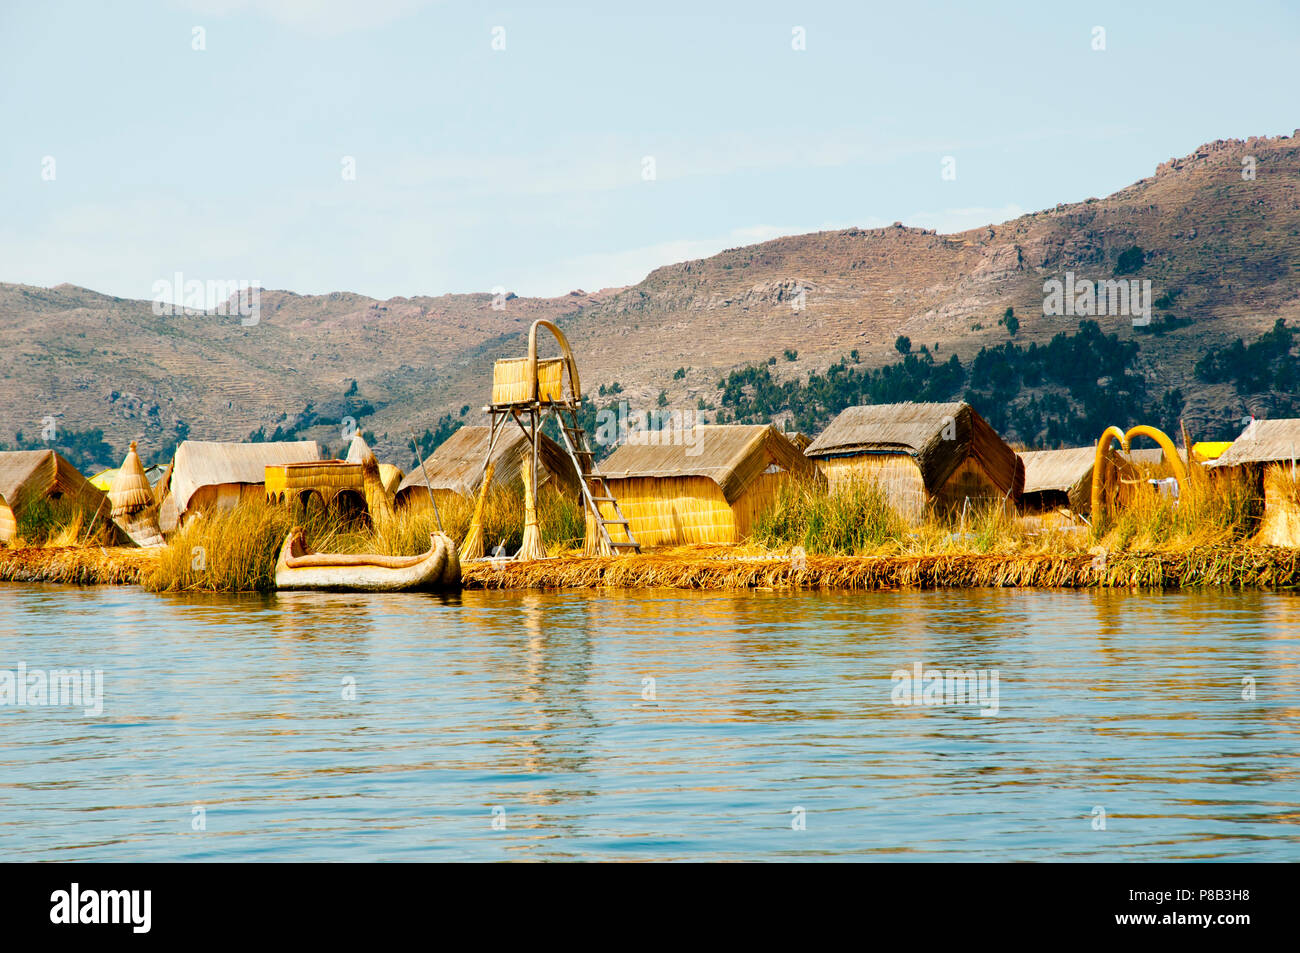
[64, 522]
[856, 518]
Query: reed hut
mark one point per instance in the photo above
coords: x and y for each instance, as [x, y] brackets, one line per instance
[132, 502]
[211, 475]
[706, 485]
[1056, 479]
[921, 455]
[28, 476]
[456, 468]
[1268, 452]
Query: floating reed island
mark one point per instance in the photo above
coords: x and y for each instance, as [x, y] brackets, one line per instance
[923, 495]
[810, 538]
[1242, 567]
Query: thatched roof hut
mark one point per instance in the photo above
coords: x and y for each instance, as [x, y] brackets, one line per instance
[1056, 478]
[211, 474]
[921, 455]
[1264, 441]
[133, 507]
[30, 475]
[704, 485]
[456, 468]
[1269, 451]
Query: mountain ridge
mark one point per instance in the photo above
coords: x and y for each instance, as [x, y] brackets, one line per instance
[1221, 251]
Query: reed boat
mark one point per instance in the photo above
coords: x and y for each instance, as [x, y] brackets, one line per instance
[298, 567]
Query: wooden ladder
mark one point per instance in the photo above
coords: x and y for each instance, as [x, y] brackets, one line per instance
[595, 488]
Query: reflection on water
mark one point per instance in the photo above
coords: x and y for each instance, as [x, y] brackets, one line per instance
[351, 727]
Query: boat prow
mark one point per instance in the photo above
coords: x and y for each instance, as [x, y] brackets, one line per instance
[300, 568]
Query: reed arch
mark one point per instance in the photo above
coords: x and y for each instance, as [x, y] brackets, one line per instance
[575, 387]
[1125, 439]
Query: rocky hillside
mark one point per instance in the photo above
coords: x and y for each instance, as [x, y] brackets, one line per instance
[1220, 251]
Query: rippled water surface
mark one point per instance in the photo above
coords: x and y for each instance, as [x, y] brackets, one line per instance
[521, 726]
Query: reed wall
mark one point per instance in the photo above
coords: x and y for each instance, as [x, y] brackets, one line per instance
[895, 473]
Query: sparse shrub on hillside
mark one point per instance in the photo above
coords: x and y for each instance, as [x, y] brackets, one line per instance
[1130, 261]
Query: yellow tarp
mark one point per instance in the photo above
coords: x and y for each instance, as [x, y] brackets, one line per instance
[1210, 449]
[104, 480]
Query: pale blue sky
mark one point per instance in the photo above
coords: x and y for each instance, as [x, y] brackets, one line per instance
[523, 167]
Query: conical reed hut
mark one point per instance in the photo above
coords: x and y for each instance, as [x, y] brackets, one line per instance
[132, 502]
[922, 455]
[705, 485]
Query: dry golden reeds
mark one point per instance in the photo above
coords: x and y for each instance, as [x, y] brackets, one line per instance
[1216, 508]
[76, 565]
[1239, 567]
[472, 546]
[511, 383]
[531, 545]
[672, 511]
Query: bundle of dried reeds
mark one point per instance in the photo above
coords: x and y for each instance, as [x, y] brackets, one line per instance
[532, 546]
[472, 546]
[379, 500]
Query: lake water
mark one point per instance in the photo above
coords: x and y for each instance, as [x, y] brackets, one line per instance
[522, 726]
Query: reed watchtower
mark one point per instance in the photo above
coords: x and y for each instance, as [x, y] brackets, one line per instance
[528, 391]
